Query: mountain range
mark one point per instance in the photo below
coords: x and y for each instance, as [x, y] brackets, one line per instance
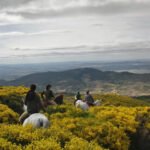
[88, 79]
[14, 71]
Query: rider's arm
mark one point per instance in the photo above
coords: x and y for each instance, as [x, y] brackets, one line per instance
[42, 95]
[40, 103]
[25, 100]
[52, 94]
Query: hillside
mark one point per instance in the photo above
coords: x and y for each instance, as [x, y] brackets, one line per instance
[145, 98]
[120, 123]
[88, 78]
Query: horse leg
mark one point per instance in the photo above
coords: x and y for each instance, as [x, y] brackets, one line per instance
[23, 117]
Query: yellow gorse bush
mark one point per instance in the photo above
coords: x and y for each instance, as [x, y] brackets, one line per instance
[8, 90]
[48, 144]
[6, 145]
[13, 96]
[109, 126]
[119, 100]
[7, 115]
[81, 144]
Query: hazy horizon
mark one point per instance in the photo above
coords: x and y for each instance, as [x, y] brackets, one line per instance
[14, 71]
[35, 31]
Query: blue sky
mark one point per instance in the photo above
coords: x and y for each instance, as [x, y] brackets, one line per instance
[33, 31]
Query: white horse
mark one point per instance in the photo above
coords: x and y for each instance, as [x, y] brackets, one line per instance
[84, 105]
[37, 120]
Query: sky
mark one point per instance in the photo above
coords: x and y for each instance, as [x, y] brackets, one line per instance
[41, 31]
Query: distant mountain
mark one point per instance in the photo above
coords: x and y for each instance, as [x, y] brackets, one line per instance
[87, 78]
[14, 71]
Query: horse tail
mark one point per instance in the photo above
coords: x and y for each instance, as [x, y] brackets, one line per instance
[40, 122]
[43, 123]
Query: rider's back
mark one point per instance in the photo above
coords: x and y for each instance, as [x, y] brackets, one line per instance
[33, 103]
[89, 99]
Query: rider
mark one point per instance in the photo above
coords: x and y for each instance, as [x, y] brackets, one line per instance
[47, 96]
[89, 99]
[77, 97]
[33, 103]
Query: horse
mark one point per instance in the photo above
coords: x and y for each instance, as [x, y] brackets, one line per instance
[37, 120]
[84, 106]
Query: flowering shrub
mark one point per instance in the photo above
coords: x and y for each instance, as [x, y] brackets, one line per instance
[6, 145]
[48, 144]
[112, 126]
[119, 100]
[107, 127]
[8, 90]
[7, 115]
[12, 96]
[81, 144]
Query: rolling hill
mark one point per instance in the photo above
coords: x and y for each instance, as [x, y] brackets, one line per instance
[87, 78]
[119, 123]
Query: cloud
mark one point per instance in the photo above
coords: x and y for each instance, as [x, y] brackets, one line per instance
[13, 3]
[128, 51]
[127, 48]
[32, 23]
[43, 32]
[8, 18]
[11, 34]
[37, 9]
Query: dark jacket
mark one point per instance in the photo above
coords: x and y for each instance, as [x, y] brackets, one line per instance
[78, 96]
[48, 94]
[89, 99]
[33, 102]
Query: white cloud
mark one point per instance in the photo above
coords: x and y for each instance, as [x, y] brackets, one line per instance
[9, 18]
[44, 32]
[13, 3]
[50, 27]
[37, 9]
[122, 52]
[86, 50]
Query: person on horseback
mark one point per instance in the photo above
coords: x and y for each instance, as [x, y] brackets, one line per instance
[47, 96]
[77, 97]
[89, 99]
[33, 103]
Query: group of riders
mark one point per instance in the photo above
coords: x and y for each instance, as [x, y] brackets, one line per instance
[34, 104]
